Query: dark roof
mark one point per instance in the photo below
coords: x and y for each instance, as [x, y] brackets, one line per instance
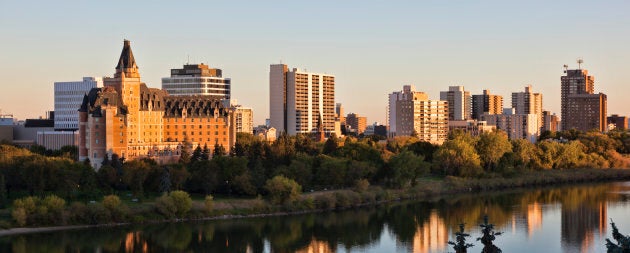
[126, 57]
[151, 98]
[193, 106]
[39, 123]
[98, 97]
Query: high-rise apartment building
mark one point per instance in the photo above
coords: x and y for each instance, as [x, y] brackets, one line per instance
[356, 122]
[68, 99]
[459, 103]
[299, 100]
[581, 109]
[486, 103]
[528, 102]
[517, 126]
[129, 119]
[411, 112]
[244, 119]
[550, 122]
[339, 114]
[197, 79]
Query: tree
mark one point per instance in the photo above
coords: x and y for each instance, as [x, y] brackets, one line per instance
[491, 146]
[623, 242]
[458, 157]
[330, 146]
[488, 236]
[182, 202]
[406, 167]
[3, 192]
[135, 175]
[196, 155]
[219, 150]
[460, 245]
[282, 190]
[205, 153]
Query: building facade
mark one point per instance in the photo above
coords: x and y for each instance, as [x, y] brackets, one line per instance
[298, 100]
[244, 118]
[68, 99]
[459, 103]
[550, 122]
[411, 112]
[197, 79]
[517, 126]
[356, 123]
[619, 122]
[528, 102]
[486, 103]
[127, 118]
[473, 127]
[581, 108]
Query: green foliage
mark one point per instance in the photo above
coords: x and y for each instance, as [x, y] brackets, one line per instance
[208, 203]
[406, 167]
[491, 146]
[174, 204]
[361, 185]
[458, 157]
[282, 189]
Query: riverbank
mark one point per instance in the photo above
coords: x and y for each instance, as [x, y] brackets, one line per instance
[426, 188]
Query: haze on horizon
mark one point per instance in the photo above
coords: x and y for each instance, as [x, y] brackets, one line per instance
[372, 48]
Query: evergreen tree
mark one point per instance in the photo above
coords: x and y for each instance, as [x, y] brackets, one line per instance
[488, 236]
[331, 145]
[623, 242]
[219, 150]
[165, 181]
[205, 153]
[196, 155]
[460, 246]
[106, 161]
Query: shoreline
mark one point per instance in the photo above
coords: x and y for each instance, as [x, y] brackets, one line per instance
[449, 187]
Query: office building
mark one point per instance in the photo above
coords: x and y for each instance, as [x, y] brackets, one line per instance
[473, 127]
[412, 113]
[68, 99]
[581, 108]
[459, 103]
[299, 100]
[244, 119]
[197, 79]
[486, 103]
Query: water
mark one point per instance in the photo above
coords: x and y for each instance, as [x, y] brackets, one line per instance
[561, 219]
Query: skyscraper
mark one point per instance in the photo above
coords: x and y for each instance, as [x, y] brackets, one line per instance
[197, 79]
[299, 99]
[68, 98]
[459, 103]
[486, 103]
[412, 112]
[581, 109]
[528, 102]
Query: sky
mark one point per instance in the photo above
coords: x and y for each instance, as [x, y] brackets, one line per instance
[372, 47]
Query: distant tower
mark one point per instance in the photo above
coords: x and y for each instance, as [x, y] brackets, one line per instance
[581, 108]
[321, 135]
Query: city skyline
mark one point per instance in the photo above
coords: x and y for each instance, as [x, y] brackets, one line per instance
[374, 48]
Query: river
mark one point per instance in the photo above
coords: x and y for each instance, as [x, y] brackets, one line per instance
[558, 219]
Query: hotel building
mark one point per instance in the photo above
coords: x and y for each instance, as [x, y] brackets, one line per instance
[128, 118]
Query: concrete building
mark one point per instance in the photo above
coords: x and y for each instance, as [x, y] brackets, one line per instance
[68, 99]
[356, 123]
[54, 140]
[528, 102]
[265, 133]
[197, 79]
[459, 103]
[550, 122]
[127, 118]
[6, 128]
[299, 99]
[517, 126]
[486, 103]
[339, 114]
[473, 127]
[411, 112]
[244, 119]
[619, 122]
[581, 108]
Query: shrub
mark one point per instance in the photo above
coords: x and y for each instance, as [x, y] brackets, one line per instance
[343, 200]
[282, 189]
[182, 202]
[116, 208]
[361, 185]
[98, 214]
[325, 201]
[20, 216]
[166, 206]
[78, 213]
[208, 203]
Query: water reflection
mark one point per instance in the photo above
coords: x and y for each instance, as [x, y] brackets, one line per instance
[582, 217]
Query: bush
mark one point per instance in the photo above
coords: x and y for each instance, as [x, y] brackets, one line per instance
[282, 189]
[116, 208]
[208, 203]
[325, 201]
[166, 206]
[182, 202]
[20, 216]
[78, 213]
[98, 214]
[361, 185]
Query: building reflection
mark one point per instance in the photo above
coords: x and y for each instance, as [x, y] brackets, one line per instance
[317, 246]
[580, 224]
[534, 218]
[432, 235]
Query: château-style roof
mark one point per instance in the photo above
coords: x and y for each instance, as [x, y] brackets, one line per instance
[99, 97]
[193, 106]
[126, 57]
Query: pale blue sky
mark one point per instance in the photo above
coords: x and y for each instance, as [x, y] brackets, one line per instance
[372, 47]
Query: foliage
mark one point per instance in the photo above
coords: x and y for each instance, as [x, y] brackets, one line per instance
[406, 167]
[458, 157]
[282, 189]
[491, 146]
[623, 242]
[488, 237]
[460, 245]
[208, 203]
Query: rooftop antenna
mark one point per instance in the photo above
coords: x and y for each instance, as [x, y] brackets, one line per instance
[565, 67]
[580, 61]
[188, 59]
